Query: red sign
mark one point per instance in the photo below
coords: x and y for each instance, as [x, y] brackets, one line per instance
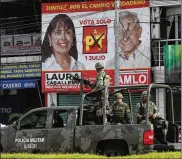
[134, 77]
[91, 6]
[54, 81]
[95, 39]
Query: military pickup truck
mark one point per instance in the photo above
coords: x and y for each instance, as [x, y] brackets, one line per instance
[66, 130]
[57, 129]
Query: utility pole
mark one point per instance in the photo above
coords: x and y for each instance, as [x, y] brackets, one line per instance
[116, 31]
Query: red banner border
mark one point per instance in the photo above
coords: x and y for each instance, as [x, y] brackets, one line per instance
[62, 7]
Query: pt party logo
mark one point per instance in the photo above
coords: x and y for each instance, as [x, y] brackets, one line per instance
[94, 39]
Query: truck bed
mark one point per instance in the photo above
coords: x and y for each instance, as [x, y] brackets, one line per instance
[87, 137]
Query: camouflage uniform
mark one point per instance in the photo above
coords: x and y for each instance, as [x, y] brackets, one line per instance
[121, 111]
[100, 82]
[141, 110]
[157, 122]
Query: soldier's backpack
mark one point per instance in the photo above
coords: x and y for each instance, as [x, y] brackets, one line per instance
[106, 79]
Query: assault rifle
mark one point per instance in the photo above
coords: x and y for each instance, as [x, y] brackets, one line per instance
[84, 81]
[144, 117]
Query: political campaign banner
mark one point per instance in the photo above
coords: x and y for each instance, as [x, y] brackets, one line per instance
[75, 36]
[20, 71]
[63, 81]
[134, 77]
[172, 63]
[20, 44]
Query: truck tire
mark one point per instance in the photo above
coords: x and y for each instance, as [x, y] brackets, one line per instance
[113, 150]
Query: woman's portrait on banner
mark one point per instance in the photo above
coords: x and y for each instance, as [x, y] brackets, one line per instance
[59, 46]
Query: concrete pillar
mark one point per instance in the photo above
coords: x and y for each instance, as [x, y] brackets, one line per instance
[161, 102]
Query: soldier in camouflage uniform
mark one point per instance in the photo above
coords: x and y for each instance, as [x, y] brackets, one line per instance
[102, 80]
[153, 116]
[120, 111]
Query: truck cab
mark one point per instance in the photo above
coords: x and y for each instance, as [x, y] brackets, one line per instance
[40, 130]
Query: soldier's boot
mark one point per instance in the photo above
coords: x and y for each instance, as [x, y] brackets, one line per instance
[163, 137]
[163, 140]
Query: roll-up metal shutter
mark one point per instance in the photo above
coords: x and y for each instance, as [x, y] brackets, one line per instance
[74, 100]
[68, 99]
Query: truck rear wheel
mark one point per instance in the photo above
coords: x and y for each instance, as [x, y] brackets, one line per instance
[113, 150]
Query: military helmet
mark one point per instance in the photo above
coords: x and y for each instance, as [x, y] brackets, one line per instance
[99, 65]
[118, 95]
[144, 94]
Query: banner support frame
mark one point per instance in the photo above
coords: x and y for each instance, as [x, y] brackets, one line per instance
[116, 31]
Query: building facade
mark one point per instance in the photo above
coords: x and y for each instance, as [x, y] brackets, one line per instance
[167, 34]
[20, 41]
[20, 69]
[165, 30]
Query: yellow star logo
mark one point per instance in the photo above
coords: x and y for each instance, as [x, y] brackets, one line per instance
[95, 31]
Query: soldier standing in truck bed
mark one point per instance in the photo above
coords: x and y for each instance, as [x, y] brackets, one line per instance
[102, 80]
[120, 111]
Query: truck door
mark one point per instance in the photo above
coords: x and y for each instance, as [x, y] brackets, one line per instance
[61, 131]
[32, 133]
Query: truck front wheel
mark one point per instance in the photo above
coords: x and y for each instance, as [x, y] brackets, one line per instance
[113, 150]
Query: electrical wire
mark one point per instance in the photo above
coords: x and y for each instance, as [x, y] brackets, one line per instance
[108, 40]
[48, 16]
[73, 17]
[22, 26]
[1, 19]
[21, 21]
[18, 3]
[35, 11]
[39, 22]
